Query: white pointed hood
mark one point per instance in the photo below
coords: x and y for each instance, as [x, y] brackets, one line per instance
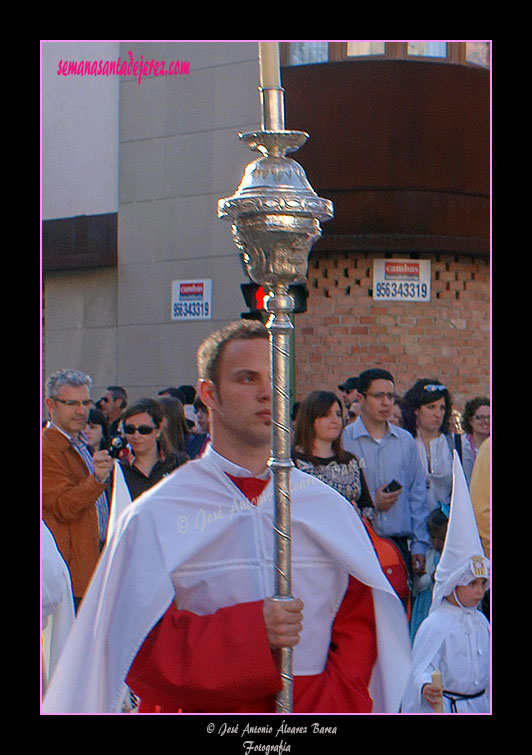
[462, 549]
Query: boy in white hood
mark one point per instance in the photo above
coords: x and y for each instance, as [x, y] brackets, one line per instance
[455, 637]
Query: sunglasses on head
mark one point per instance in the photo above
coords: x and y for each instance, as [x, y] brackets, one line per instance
[433, 387]
[142, 429]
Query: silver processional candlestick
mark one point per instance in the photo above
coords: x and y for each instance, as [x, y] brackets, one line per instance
[275, 216]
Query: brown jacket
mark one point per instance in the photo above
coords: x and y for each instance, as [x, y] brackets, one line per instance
[69, 495]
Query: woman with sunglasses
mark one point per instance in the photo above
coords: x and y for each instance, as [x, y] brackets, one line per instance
[152, 456]
[426, 412]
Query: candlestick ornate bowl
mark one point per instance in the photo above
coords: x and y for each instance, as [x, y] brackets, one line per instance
[275, 213]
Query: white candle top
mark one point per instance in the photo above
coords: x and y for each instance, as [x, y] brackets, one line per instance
[269, 67]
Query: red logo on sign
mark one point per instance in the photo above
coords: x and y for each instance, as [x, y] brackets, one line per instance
[188, 290]
[401, 270]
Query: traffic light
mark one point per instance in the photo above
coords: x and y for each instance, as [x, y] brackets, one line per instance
[299, 294]
[254, 296]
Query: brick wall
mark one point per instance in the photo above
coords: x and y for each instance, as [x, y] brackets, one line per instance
[344, 331]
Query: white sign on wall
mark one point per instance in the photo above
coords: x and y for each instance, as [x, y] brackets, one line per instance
[401, 280]
[192, 300]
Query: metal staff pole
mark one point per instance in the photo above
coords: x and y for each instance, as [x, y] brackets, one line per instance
[275, 216]
[280, 305]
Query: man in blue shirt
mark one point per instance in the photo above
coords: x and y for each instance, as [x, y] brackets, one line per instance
[388, 453]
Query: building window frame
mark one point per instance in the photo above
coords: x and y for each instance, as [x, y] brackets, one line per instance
[456, 53]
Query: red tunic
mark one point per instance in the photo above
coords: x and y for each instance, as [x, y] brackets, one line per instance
[222, 662]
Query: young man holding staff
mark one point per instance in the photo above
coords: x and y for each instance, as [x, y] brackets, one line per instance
[181, 604]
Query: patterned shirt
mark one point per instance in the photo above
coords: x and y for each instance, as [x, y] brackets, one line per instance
[342, 476]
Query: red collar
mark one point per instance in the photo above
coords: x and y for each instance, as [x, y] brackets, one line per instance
[252, 487]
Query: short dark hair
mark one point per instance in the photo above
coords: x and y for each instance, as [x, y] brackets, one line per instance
[210, 351]
[118, 392]
[366, 378]
[436, 519]
[174, 393]
[189, 392]
[349, 385]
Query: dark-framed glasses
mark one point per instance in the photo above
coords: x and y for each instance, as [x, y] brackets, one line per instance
[68, 402]
[482, 417]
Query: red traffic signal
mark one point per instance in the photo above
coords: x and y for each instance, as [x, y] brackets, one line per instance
[260, 295]
[254, 296]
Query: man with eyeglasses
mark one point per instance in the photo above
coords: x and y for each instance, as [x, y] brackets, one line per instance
[74, 505]
[387, 453]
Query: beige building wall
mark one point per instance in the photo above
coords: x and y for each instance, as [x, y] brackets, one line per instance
[179, 153]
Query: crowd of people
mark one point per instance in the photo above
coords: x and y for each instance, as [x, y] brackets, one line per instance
[389, 461]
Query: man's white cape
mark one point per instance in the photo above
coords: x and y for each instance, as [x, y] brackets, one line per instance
[194, 539]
